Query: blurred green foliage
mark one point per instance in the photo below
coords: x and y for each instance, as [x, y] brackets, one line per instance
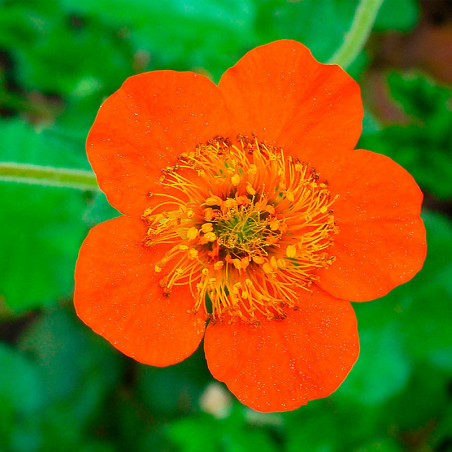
[64, 388]
[422, 143]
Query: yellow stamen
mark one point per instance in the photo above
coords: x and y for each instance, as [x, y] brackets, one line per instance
[248, 236]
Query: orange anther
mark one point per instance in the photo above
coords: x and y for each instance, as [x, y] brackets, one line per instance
[274, 224]
[214, 201]
[207, 227]
[235, 180]
[192, 233]
[249, 189]
[208, 214]
[245, 261]
[258, 260]
[291, 251]
[210, 236]
[237, 263]
[193, 253]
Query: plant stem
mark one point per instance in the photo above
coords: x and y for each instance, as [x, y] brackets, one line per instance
[355, 39]
[48, 175]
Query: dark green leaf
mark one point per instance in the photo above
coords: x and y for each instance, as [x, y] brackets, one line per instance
[21, 401]
[79, 370]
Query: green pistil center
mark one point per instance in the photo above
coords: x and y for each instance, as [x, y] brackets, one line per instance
[244, 231]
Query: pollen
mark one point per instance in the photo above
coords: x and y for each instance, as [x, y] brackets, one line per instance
[245, 228]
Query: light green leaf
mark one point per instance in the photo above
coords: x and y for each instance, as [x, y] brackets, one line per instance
[41, 227]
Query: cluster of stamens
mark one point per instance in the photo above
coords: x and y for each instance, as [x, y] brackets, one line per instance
[246, 228]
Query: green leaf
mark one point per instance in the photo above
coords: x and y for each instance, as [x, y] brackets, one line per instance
[425, 398]
[423, 303]
[319, 24]
[233, 434]
[196, 433]
[309, 433]
[408, 325]
[398, 15]
[380, 445]
[422, 145]
[331, 424]
[21, 401]
[173, 389]
[207, 34]
[20, 383]
[419, 96]
[67, 353]
[418, 309]
[44, 39]
[382, 369]
[79, 368]
[41, 227]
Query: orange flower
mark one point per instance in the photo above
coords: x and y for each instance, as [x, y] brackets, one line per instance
[248, 217]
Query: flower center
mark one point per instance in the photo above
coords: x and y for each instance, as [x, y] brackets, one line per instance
[246, 228]
[243, 231]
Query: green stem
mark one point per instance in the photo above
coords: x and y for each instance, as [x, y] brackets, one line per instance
[48, 175]
[355, 39]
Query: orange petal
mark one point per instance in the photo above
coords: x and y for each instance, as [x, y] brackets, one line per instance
[144, 126]
[283, 94]
[282, 364]
[373, 257]
[118, 295]
[381, 240]
[370, 186]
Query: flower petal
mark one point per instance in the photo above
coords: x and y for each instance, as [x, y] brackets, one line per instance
[373, 257]
[381, 241]
[282, 364]
[283, 94]
[144, 126]
[118, 295]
